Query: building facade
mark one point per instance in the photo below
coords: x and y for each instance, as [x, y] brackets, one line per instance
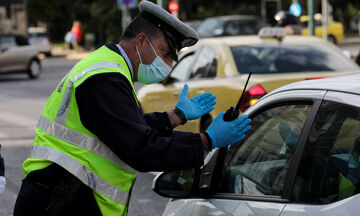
[13, 17]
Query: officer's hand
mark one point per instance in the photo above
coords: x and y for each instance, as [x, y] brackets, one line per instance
[224, 133]
[197, 106]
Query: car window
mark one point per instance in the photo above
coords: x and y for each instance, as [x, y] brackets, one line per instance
[284, 58]
[211, 27]
[241, 27]
[182, 68]
[316, 23]
[206, 63]
[258, 165]
[7, 41]
[37, 34]
[21, 40]
[329, 169]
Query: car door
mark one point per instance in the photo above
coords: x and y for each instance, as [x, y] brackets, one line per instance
[253, 178]
[8, 58]
[327, 180]
[15, 53]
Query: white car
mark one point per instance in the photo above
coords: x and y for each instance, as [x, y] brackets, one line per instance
[17, 56]
[301, 157]
[38, 38]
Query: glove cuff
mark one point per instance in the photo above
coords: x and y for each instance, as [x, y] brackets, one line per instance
[210, 136]
[181, 115]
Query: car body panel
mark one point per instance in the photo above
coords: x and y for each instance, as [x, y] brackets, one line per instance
[331, 83]
[15, 57]
[222, 207]
[228, 83]
[348, 206]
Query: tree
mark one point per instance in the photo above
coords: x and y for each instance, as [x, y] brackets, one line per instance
[101, 17]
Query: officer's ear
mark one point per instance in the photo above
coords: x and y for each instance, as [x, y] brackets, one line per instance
[140, 40]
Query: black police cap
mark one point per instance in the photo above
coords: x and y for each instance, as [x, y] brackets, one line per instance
[178, 34]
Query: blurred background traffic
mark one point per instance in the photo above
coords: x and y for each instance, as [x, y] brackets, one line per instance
[94, 22]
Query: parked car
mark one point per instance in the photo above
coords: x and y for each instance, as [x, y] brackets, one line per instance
[39, 38]
[335, 29]
[221, 66]
[230, 25]
[193, 23]
[301, 157]
[16, 55]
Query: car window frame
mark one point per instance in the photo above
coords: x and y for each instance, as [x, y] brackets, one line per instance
[214, 169]
[186, 55]
[198, 53]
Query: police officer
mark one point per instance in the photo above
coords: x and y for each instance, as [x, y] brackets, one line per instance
[92, 134]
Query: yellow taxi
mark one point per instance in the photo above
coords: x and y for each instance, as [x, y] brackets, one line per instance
[335, 29]
[221, 66]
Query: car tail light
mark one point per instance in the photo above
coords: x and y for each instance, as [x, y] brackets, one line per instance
[317, 78]
[251, 97]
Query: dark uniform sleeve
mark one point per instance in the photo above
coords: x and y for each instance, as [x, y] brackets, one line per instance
[107, 108]
[160, 122]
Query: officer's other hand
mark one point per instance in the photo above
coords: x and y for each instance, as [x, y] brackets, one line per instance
[224, 133]
[197, 106]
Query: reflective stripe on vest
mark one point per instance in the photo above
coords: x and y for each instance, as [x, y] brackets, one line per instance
[64, 107]
[81, 172]
[81, 140]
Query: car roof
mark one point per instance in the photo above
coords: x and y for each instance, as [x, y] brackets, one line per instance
[234, 17]
[345, 83]
[36, 30]
[255, 39]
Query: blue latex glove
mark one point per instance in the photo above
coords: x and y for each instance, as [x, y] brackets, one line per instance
[224, 133]
[197, 106]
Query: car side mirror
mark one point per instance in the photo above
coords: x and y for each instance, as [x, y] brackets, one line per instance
[174, 184]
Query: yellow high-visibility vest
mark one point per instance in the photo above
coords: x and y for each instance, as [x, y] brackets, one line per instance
[62, 139]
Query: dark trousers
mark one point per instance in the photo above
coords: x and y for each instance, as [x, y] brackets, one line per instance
[37, 195]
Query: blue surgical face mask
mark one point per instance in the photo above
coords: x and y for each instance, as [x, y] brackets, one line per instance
[154, 72]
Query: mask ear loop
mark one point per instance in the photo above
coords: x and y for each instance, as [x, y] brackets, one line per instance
[152, 47]
[137, 51]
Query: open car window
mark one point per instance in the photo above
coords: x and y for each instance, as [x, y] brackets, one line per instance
[259, 163]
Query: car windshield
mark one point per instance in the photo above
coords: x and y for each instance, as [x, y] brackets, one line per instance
[211, 28]
[289, 58]
[37, 34]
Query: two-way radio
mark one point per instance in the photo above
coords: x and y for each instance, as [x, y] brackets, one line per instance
[233, 113]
